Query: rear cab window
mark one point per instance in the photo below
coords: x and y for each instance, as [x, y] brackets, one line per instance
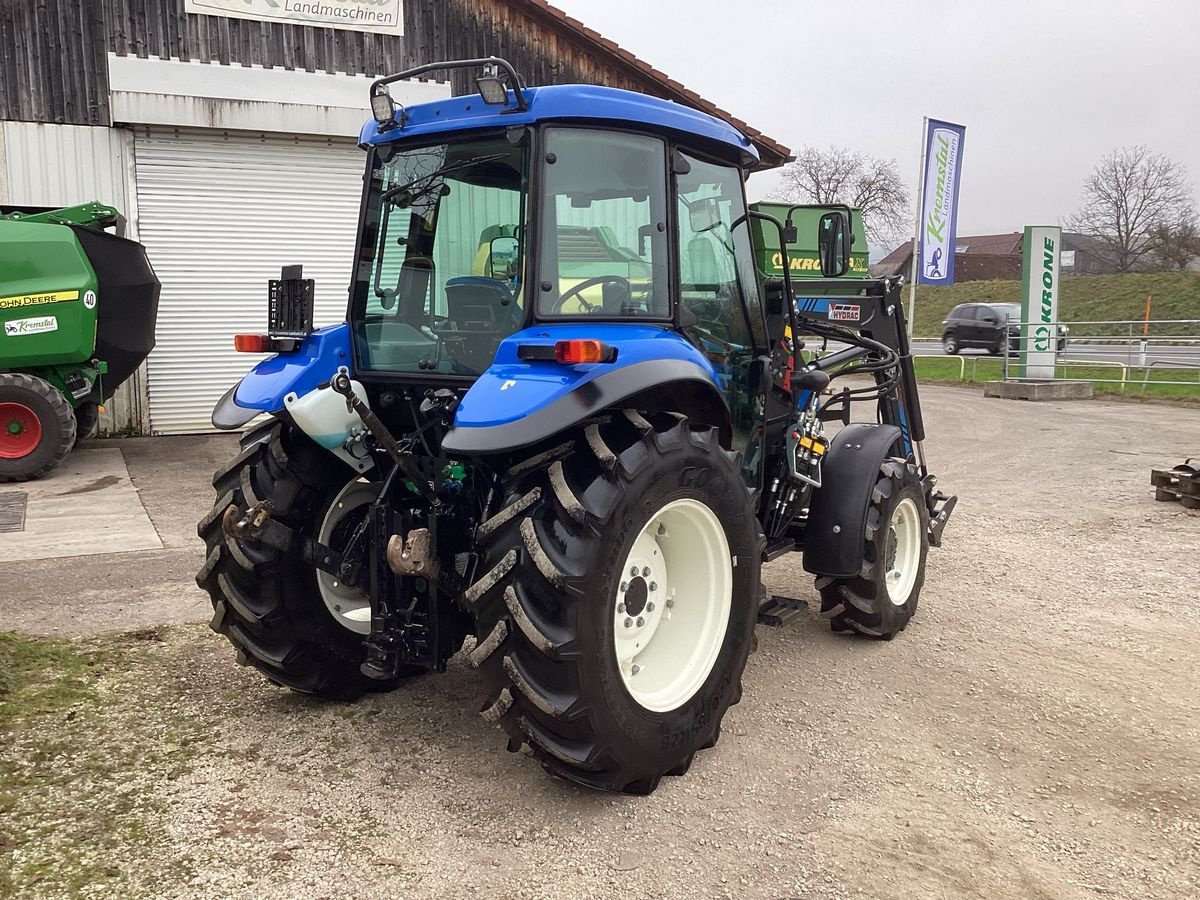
[604, 240]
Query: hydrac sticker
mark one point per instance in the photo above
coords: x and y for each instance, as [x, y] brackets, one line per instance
[843, 312]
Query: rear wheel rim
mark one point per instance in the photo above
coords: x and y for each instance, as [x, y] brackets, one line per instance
[20, 430]
[904, 551]
[350, 606]
[672, 605]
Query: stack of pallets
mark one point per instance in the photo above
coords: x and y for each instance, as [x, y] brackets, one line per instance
[1181, 483]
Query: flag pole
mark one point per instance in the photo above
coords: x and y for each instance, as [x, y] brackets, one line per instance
[916, 241]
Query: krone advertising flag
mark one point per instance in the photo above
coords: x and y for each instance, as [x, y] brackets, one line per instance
[939, 202]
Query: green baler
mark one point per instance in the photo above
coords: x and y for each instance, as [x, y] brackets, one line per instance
[77, 307]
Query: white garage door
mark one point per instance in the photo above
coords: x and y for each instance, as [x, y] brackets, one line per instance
[219, 214]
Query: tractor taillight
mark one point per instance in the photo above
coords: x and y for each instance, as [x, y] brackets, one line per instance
[574, 352]
[252, 343]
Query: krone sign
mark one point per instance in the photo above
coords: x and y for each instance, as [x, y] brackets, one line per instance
[1039, 301]
[376, 16]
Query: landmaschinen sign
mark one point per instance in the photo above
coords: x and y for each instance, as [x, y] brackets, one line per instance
[376, 16]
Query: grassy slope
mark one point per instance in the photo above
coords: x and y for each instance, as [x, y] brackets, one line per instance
[1084, 297]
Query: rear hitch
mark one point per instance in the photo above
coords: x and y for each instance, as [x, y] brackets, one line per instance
[412, 556]
[255, 525]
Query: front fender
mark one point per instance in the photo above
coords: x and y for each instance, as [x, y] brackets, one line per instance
[517, 403]
[263, 388]
[837, 518]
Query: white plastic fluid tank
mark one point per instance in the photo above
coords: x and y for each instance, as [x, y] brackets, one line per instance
[323, 416]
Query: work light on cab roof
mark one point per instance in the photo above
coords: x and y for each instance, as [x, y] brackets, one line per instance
[491, 88]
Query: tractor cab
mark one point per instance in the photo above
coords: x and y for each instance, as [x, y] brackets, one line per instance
[522, 210]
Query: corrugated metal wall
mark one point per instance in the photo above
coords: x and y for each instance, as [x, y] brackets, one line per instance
[62, 165]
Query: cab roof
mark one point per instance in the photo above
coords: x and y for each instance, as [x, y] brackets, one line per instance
[580, 103]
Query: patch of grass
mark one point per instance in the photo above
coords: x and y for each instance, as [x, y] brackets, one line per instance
[87, 729]
[1082, 298]
[40, 676]
[1138, 382]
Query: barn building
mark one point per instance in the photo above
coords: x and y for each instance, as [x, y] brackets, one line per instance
[225, 131]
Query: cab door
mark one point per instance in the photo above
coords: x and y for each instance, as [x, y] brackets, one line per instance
[718, 290]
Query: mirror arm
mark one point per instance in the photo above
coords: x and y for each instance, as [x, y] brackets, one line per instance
[789, 296]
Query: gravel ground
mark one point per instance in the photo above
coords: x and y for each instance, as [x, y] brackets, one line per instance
[1033, 734]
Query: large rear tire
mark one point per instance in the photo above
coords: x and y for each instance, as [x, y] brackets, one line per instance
[37, 427]
[880, 601]
[271, 607]
[616, 600]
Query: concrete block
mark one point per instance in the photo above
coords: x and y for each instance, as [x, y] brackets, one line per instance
[1039, 390]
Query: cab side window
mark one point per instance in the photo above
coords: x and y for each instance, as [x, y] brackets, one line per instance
[716, 263]
[718, 284]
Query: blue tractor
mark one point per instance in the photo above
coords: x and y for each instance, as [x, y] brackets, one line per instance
[564, 425]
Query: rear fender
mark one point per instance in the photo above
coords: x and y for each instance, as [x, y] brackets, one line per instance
[299, 372]
[837, 518]
[519, 402]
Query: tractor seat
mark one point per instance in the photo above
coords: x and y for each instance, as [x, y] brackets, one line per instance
[480, 312]
[479, 305]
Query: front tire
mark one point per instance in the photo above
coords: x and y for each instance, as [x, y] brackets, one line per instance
[37, 427]
[271, 607]
[566, 627]
[881, 599]
[950, 343]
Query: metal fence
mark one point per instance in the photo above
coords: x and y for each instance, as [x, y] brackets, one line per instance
[1131, 356]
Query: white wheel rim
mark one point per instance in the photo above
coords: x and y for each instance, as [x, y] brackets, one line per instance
[904, 551]
[672, 605]
[350, 606]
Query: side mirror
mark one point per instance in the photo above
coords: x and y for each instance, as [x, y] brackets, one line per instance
[789, 232]
[503, 257]
[704, 215]
[833, 243]
[991, 320]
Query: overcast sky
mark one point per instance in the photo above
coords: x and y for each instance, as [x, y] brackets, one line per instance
[1044, 88]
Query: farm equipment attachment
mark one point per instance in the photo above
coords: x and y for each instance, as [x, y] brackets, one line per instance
[566, 422]
[78, 307]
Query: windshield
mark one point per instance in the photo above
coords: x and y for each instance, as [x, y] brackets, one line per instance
[439, 278]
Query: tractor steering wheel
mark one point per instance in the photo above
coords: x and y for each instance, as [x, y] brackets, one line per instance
[578, 289]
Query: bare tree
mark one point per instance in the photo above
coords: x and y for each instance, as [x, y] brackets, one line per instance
[1175, 247]
[841, 175]
[1129, 201]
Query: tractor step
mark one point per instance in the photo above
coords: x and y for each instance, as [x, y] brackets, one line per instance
[777, 611]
